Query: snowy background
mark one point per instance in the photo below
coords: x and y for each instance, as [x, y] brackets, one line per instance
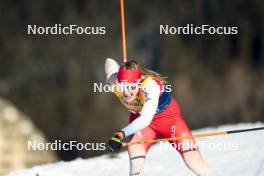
[241, 155]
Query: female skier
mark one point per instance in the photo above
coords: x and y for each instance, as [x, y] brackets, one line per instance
[153, 112]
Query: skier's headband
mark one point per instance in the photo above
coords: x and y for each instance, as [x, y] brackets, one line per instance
[128, 75]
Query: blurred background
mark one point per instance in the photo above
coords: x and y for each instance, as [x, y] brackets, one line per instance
[46, 81]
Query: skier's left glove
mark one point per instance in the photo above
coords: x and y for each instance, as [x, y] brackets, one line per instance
[115, 143]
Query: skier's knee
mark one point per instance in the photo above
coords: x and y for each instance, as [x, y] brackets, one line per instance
[195, 162]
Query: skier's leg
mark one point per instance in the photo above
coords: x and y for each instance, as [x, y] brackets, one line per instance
[172, 127]
[195, 162]
[137, 153]
[189, 150]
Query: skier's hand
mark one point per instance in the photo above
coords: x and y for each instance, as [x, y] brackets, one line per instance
[115, 143]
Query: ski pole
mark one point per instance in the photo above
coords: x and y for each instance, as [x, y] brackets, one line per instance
[193, 136]
[123, 30]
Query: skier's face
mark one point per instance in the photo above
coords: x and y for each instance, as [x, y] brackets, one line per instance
[129, 92]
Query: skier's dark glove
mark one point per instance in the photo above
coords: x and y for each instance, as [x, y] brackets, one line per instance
[115, 143]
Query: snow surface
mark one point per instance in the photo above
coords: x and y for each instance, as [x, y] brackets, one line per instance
[244, 158]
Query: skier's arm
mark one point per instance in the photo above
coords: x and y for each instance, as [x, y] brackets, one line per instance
[151, 95]
[111, 69]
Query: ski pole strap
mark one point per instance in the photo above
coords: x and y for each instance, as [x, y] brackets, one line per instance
[191, 137]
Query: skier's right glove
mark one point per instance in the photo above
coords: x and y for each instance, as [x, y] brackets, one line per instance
[115, 143]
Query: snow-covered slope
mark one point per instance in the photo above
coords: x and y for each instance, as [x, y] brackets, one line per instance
[242, 154]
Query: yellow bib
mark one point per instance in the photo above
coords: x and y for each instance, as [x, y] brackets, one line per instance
[137, 104]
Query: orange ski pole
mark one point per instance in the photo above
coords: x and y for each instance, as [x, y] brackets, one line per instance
[123, 30]
[193, 136]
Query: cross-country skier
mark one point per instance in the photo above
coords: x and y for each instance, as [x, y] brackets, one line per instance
[153, 113]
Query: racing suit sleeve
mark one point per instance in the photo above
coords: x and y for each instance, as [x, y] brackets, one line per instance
[111, 70]
[151, 93]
